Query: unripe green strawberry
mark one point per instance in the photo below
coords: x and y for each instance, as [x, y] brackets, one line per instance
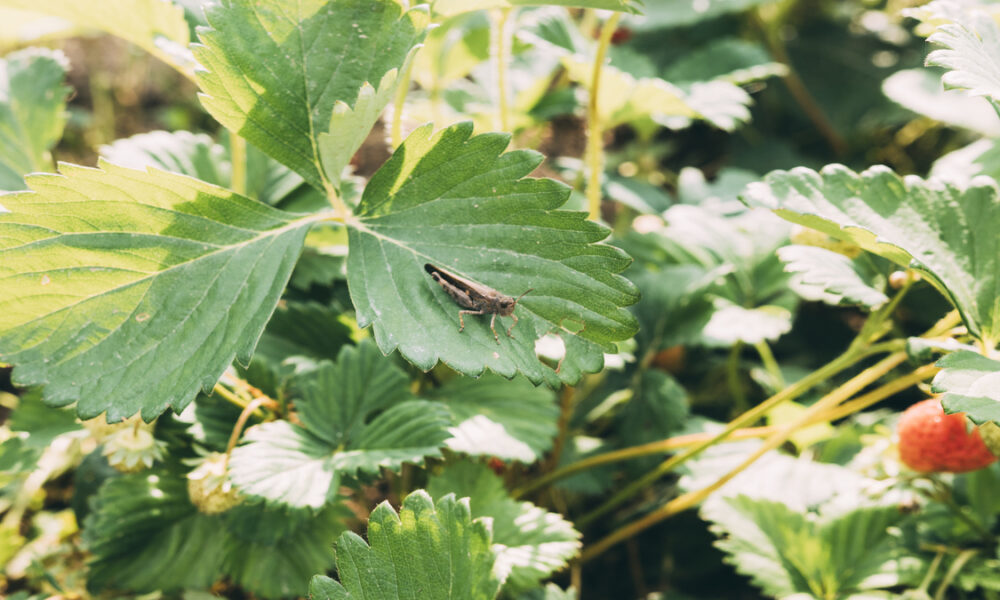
[931, 441]
[209, 487]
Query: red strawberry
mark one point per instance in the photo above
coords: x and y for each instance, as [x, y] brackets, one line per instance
[931, 441]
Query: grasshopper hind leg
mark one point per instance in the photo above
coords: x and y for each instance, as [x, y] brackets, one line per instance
[461, 321]
[511, 328]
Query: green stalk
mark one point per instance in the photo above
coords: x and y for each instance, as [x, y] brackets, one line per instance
[500, 53]
[845, 360]
[690, 499]
[770, 364]
[595, 128]
[399, 104]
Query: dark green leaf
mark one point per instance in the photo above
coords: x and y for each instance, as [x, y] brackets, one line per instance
[511, 420]
[529, 542]
[440, 197]
[278, 76]
[425, 551]
[301, 465]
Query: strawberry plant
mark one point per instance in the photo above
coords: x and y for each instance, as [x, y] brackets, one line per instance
[499, 299]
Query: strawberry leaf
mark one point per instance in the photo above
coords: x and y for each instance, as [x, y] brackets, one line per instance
[129, 290]
[529, 542]
[278, 74]
[457, 202]
[32, 112]
[302, 465]
[970, 383]
[944, 231]
[427, 550]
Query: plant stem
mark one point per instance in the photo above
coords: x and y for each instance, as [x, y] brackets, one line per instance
[733, 379]
[567, 402]
[764, 350]
[501, 58]
[798, 89]
[852, 355]
[399, 104]
[240, 424]
[238, 159]
[693, 439]
[953, 571]
[690, 499]
[595, 128]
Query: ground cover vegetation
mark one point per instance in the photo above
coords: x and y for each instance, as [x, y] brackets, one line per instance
[511, 299]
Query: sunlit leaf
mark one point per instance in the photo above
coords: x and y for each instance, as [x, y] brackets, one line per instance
[32, 112]
[945, 231]
[130, 290]
[280, 78]
[833, 278]
[970, 383]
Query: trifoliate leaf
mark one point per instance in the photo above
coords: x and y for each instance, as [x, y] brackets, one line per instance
[156, 26]
[199, 156]
[970, 383]
[301, 465]
[141, 518]
[946, 232]
[971, 40]
[129, 290]
[511, 420]
[455, 202]
[786, 552]
[529, 542]
[425, 551]
[449, 8]
[278, 76]
[833, 278]
[32, 112]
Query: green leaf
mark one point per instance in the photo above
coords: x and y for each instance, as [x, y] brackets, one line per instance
[156, 26]
[549, 592]
[449, 8]
[199, 156]
[442, 196]
[946, 232]
[833, 278]
[786, 552]
[920, 90]
[146, 519]
[658, 409]
[731, 323]
[283, 78]
[970, 383]
[42, 423]
[511, 420]
[981, 157]
[131, 291]
[529, 542]
[32, 112]
[302, 465]
[971, 40]
[426, 551]
[729, 59]
[679, 13]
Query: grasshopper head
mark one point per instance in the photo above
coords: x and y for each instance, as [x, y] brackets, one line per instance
[508, 304]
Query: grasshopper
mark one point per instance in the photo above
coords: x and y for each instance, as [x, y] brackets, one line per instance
[476, 298]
